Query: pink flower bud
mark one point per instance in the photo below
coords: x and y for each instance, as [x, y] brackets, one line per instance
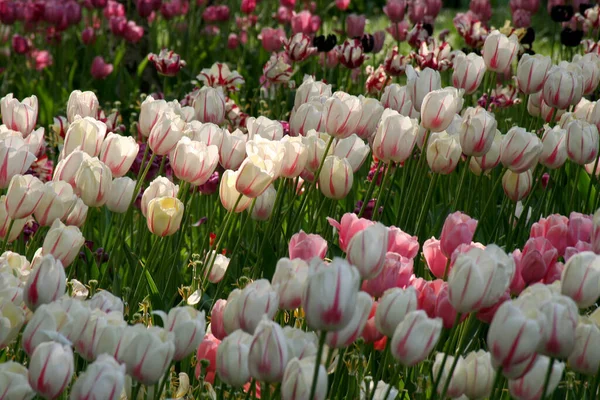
[458, 229]
[100, 69]
[306, 246]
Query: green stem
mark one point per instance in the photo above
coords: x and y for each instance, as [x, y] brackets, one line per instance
[313, 387]
[425, 207]
[370, 189]
[460, 184]
[547, 378]
[386, 177]
[5, 242]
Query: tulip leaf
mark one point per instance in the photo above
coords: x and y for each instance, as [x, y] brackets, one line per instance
[142, 67]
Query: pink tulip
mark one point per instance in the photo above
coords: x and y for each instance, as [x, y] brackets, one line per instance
[307, 246]
[481, 8]
[538, 256]
[100, 68]
[416, 11]
[305, 22]
[396, 273]
[518, 284]
[554, 272]
[487, 314]
[435, 259]
[88, 36]
[217, 326]
[399, 30]
[395, 9]
[248, 6]
[458, 228]
[580, 228]
[402, 243]
[20, 44]
[443, 308]
[578, 248]
[370, 333]
[554, 228]
[355, 25]
[41, 58]
[348, 226]
[342, 5]
[284, 15]
[427, 294]
[233, 41]
[208, 351]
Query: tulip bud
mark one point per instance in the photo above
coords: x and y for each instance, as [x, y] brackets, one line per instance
[14, 378]
[585, 357]
[118, 153]
[306, 247]
[367, 250]
[46, 283]
[419, 84]
[415, 337]
[309, 90]
[458, 379]
[121, 194]
[209, 104]
[531, 385]
[341, 114]
[395, 138]
[492, 158]
[580, 278]
[298, 378]
[479, 278]
[164, 215]
[268, 354]
[217, 324]
[63, 242]
[499, 51]
[50, 369]
[84, 104]
[103, 379]
[458, 229]
[479, 374]
[210, 134]
[15, 158]
[301, 344]
[439, 107]
[582, 142]
[93, 182]
[18, 115]
[369, 118]
[78, 214]
[347, 335]
[477, 131]
[517, 186]
[57, 201]
[166, 133]
[85, 134]
[554, 150]
[336, 178]
[150, 113]
[229, 195]
[254, 176]
[558, 326]
[263, 207]
[149, 354]
[531, 72]
[23, 196]
[443, 152]
[563, 86]
[265, 128]
[233, 149]
[12, 319]
[520, 150]
[232, 358]
[352, 149]
[308, 116]
[193, 162]
[395, 304]
[257, 299]
[469, 71]
[330, 293]
[288, 280]
[187, 325]
[67, 168]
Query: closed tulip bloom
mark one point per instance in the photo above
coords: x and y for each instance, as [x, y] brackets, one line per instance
[367, 250]
[63, 242]
[149, 355]
[12, 319]
[14, 381]
[517, 185]
[479, 375]
[84, 104]
[15, 159]
[499, 51]
[208, 133]
[306, 246]
[563, 86]
[46, 283]
[301, 344]
[116, 340]
[443, 152]
[336, 178]
[256, 300]
[159, 187]
[18, 115]
[415, 337]
[580, 279]
[308, 116]
[56, 203]
[469, 71]
[78, 214]
[393, 306]
[531, 385]
[268, 355]
[419, 84]
[439, 107]
[164, 215]
[93, 182]
[479, 278]
[351, 53]
[150, 112]
[492, 158]
[47, 319]
[103, 379]
[229, 195]
[298, 378]
[309, 90]
[67, 168]
[209, 104]
[193, 161]
[330, 293]
[582, 142]
[232, 358]
[118, 153]
[395, 138]
[531, 72]
[255, 175]
[233, 149]
[558, 326]
[296, 157]
[121, 194]
[165, 134]
[458, 229]
[263, 207]
[187, 325]
[352, 331]
[341, 114]
[520, 150]
[554, 150]
[371, 111]
[352, 149]
[590, 68]
[458, 379]
[477, 131]
[513, 336]
[85, 134]
[585, 357]
[50, 369]
[265, 128]
[106, 301]
[217, 325]
[23, 196]
[219, 268]
[288, 280]
[398, 98]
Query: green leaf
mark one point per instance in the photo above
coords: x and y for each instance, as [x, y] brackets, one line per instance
[142, 67]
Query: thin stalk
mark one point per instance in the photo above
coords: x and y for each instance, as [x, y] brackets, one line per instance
[313, 387]
[547, 378]
[421, 219]
[5, 242]
[386, 177]
[460, 184]
[370, 189]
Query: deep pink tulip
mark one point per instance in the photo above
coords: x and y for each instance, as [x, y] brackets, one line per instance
[432, 9]
[378, 41]
[555, 228]
[41, 58]
[88, 36]
[427, 294]
[233, 41]
[272, 39]
[288, 3]
[284, 15]
[208, 351]
[435, 259]
[217, 326]
[443, 308]
[305, 22]
[99, 3]
[554, 272]
[118, 25]
[72, 13]
[133, 32]
[307, 246]
[538, 257]
[355, 25]
[402, 243]
[458, 228]
[397, 272]
[100, 68]
[416, 11]
[348, 226]
[580, 228]
[395, 10]
[8, 12]
[481, 8]
[342, 5]
[20, 44]
[399, 30]
[248, 6]
[521, 18]
[114, 9]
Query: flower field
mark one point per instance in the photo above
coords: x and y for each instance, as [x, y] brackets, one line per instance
[299, 200]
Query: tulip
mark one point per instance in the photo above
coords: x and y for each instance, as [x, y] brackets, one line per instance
[513, 336]
[159, 187]
[12, 319]
[585, 357]
[563, 86]
[104, 379]
[149, 354]
[520, 150]
[263, 206]
[150, 113]
[296, 157]
[209, 104]
[479, 375]
[371, 111]
[187, 326]
[50, 369]
[288, 280]
[78, 214]
[298, 380]
[341, 114]
[277, 70]
[558, 326]
[458, 228]
[15, 159]
[395, 138]
[272, 39]
[67, 168]
[299, 47]
[255, 175]
[46, 283]
[419, 84]
[268, 353]
[517, 186]
[554, 150]
[93, 182]
[118, 153]
[352, 149]
[347, 335]
[14, 381]
[85, 134]
[121, 194]
[210, 134]
[580, 279]
[233, 149]
[499, 51]
[232, 358]
[165, 134]
[309, 90]
[336, 178]
[308, 116]
[397, 271]
[193, 161]
[84, 104]
[397, 98]
[532, 71]
[46, 320]
[438, 108]
[306, 246]
[301, 344]
[458, 379]
[367, 250]
[257, 299]
[492, 158]
[23, 196]
[89, 327]
[531, 385]
[229, 195]
[167, 62]
[415, 337]
[265, 128]
[63, 242]
[219, 267]
[207, 352]
[469, 71]
[328, 309]
[443, 152]
[351, 53]
[164, 215]
[57, 201]
[7, 231]
[217, 324]
[477, 131]
[18, 115]
[582, 142]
